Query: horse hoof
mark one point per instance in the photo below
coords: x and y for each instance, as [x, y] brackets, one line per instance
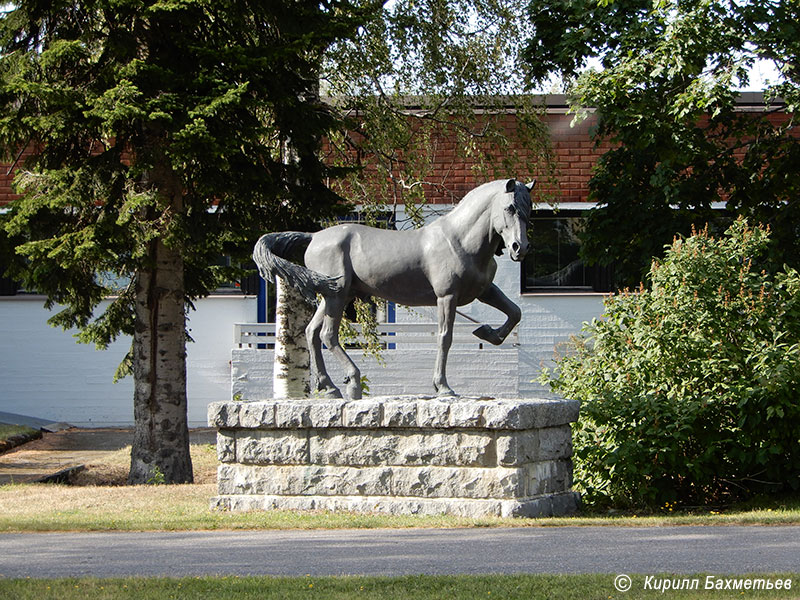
[352, 387]
[330, 392]
[446, 392]
[487, 334]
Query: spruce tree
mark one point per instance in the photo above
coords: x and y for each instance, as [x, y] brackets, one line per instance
[156, 132]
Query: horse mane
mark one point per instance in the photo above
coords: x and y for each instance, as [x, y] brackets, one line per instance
[521, 202]
[480, 191]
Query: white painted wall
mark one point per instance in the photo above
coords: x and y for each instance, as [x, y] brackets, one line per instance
[548, 321]
[208, 358]
[489, 372]
[44, 373]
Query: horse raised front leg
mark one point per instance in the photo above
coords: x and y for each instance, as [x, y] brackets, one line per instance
[494, 297]
[446, 309]
[321, 381]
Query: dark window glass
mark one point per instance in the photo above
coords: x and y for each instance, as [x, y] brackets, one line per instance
[553, 262]
[8, 287]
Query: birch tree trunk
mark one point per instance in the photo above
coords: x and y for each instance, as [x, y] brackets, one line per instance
[290, 371]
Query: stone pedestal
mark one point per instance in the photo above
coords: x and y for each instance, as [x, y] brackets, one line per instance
[397, 455]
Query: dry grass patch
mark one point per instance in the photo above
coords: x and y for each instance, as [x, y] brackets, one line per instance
[113, 468]
[50, 507]
[60, 507]
[99, 499]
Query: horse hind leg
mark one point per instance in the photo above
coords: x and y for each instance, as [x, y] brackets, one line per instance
[495, 298]
[321, 381]
[446, 312]
[330, 336]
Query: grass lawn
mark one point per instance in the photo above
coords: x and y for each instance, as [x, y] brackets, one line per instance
[9, 431]
[98, 500]
[523, 587]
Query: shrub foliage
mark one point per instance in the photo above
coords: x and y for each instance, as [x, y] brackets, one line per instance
[690, 387]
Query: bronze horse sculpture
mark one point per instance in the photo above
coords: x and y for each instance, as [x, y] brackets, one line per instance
[447, 263]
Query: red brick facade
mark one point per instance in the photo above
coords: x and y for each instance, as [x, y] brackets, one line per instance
[451, 172]
[7, 177]
[451, 175]
[574, 156]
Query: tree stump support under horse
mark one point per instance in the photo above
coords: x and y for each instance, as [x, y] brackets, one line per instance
[397, 455]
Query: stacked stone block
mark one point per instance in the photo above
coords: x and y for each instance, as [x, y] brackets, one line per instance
[398, 455]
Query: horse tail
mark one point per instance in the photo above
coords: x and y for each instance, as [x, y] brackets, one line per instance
[269, 254]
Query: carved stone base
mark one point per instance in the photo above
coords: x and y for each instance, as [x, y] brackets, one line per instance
[397, 455]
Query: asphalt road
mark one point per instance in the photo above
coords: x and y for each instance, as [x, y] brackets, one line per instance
[717, 550]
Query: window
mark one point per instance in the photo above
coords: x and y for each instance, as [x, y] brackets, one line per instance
[8, 287]
[553, 262]
[246, 285]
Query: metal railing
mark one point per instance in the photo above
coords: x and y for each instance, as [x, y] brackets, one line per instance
[250, 335]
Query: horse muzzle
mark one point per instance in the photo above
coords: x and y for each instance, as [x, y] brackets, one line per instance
[518, 251]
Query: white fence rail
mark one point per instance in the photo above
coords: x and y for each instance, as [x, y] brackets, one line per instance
[250, 335]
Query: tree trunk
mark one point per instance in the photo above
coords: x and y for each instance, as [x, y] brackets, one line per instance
[290, 375]
[160, 452]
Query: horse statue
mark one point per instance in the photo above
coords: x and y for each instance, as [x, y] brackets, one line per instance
[447, 263]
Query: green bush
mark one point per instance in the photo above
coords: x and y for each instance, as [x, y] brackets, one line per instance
[690, 388]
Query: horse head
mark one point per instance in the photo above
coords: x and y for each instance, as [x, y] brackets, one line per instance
[511, 213]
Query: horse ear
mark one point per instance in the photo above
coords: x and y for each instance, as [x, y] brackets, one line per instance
[530, 185]
[511, 185]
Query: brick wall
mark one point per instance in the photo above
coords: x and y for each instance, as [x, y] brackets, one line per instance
[7, 177]
[574, 158]
[451, 174]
